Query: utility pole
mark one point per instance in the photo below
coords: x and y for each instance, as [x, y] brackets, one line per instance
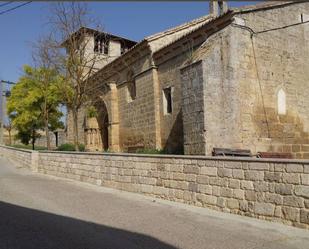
[3, 95]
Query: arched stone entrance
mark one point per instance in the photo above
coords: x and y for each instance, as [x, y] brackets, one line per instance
[97, 129]
[107, 120]
[103, 123]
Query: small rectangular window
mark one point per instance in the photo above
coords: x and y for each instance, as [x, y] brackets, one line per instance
[167, 100]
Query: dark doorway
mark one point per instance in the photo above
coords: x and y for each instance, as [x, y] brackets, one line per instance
[103, 123]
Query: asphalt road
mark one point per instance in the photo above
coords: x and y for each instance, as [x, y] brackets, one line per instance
[43, 212]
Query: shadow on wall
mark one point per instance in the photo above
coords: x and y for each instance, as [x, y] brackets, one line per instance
[26, 228]
[287, 132]
[174, 142]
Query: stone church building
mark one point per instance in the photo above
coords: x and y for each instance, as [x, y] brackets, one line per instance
[236, 78]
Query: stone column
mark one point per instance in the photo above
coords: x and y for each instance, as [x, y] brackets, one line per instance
[113, 131]
[156, 87]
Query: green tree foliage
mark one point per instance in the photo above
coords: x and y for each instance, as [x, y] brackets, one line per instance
[34, 104]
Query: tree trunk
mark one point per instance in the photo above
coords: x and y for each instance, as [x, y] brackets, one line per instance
[47, 133]
[33, 139]
[10, 137]
[75, 128]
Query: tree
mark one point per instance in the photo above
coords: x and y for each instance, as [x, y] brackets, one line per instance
[68, 51]
[34, 104]
[9, 127]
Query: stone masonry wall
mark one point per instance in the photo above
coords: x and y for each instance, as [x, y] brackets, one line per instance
[193, 109]
[276, 190]
[22, 157]
[266, 63]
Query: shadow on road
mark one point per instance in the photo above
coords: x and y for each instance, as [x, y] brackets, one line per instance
[24, 228]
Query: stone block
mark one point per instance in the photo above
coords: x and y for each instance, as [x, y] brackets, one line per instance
[146, 188]
[266, 209]
[190, 177]
[178, 176]
[239, 194]
[203, 179]
[216, 190]
[295, 168]
[280, 167]
[217, 181]
[302, 191]
[291, 178]
[247, 185]
[254, 175]
[182, 185]
[233, 183]
[274, 198]
[232, 204]
[261, 186]
[258, 166]
[210, 171]
[187, 196]
[193, 187]
[222, 172]
[205, 189]
[176, 168]
[304, 216]
[211, 200]
[161, 191]
[191, 169]
[221, 202]
[233, 165]
[226, 192]
[273, 176]
[304, 179]
[250, 195]
[293, 201]
[290, 213]
[238, 174]
[278, 212]
[284, 189]
[243, 206]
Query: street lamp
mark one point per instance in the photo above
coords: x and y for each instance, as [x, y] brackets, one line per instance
[4, 94]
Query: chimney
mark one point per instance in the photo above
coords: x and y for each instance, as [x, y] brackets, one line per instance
[217, 7]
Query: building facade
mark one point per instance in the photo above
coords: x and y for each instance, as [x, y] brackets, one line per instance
[237, 78]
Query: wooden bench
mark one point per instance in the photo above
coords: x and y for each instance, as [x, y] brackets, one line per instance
[274, 155]
[134, 149]
[231, 152]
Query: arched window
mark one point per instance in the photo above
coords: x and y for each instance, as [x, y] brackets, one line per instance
[281, 102]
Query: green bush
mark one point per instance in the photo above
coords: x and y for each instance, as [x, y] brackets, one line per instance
[70, 147]
[28, 147]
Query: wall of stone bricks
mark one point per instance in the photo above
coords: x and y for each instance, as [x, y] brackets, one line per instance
[172, 123]
[242, 74]
[275, 190]
[20, 156]
[193, 109]
[266, 63]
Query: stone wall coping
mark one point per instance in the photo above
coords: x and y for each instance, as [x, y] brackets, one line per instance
[190, 157]
[218, 158]
[17, 149]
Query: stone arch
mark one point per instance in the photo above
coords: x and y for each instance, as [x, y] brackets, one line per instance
[103, 122]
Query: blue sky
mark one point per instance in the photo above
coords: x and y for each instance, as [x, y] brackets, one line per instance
[133, 20]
